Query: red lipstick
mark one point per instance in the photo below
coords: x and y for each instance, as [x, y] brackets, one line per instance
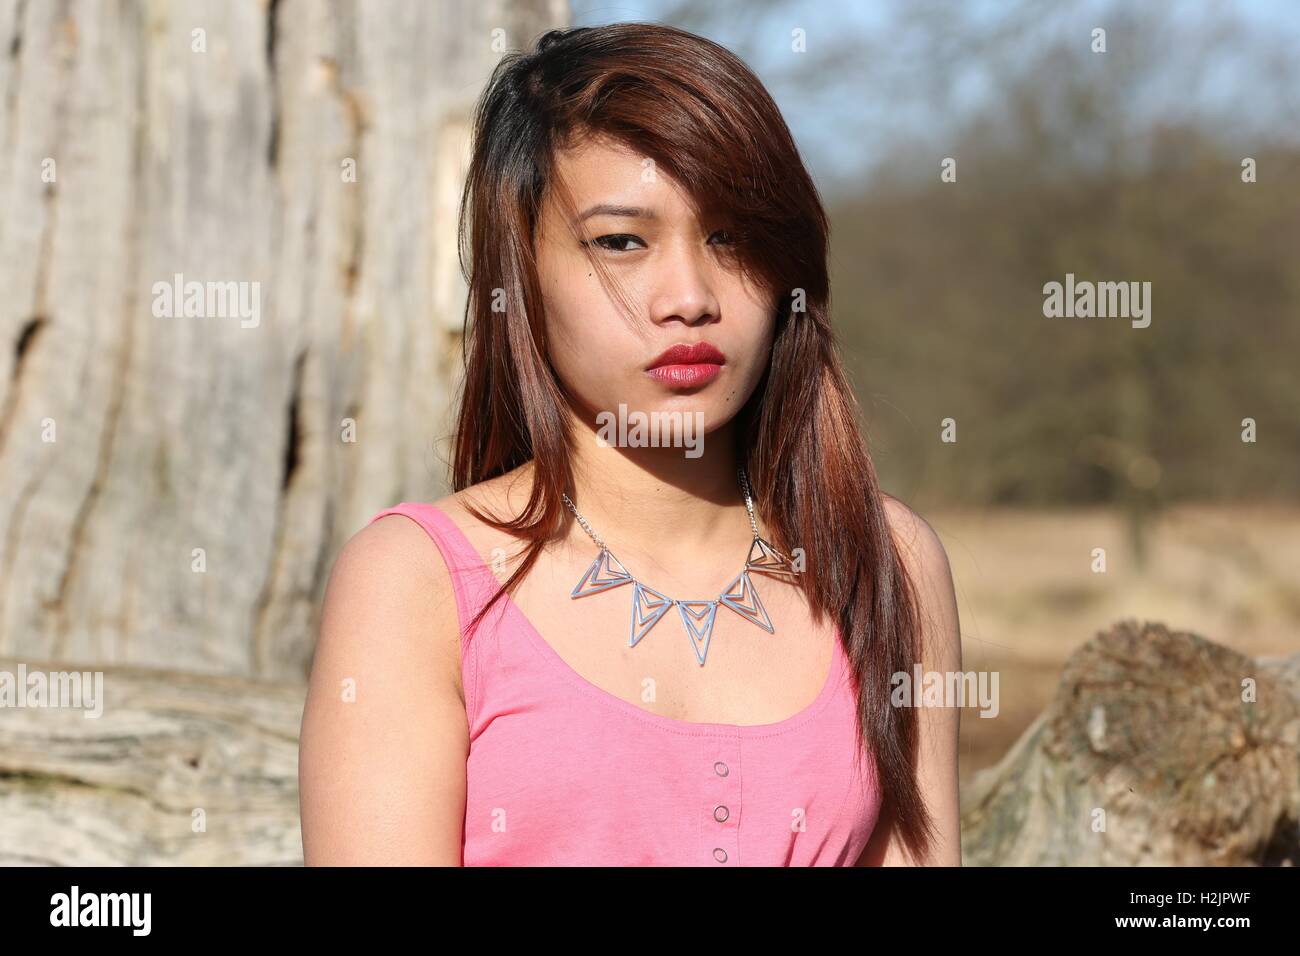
[687, 366]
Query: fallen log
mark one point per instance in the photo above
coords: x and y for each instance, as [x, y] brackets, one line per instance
[1159, 748]
[1152, 752]
[179, 769]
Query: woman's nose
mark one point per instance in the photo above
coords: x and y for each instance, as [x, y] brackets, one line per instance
[684, 291]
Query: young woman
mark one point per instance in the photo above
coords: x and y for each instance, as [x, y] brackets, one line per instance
[604, 649]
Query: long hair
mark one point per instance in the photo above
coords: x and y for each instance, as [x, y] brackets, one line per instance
[699, 112]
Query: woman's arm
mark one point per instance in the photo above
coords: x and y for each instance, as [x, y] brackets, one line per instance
[381, 759]
[936, 771]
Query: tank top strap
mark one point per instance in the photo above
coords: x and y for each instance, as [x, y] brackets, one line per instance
[472, 580]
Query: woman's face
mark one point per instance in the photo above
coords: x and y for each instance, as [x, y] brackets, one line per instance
[679, 278]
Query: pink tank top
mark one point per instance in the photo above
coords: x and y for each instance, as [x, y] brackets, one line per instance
[563, 773]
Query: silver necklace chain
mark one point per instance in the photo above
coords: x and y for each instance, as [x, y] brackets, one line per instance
[649, 605]
[600, 543]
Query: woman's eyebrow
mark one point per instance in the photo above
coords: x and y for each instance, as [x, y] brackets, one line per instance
[625, 212]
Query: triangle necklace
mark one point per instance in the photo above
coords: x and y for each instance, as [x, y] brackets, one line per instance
[649, 605]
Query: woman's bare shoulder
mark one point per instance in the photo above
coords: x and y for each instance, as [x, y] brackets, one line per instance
[390, 586]
[396, 556]
[924, 549]
[390, 590]
[504, 496]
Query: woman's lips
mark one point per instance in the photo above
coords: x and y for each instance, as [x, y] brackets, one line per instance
[687, 365]
[685, 376]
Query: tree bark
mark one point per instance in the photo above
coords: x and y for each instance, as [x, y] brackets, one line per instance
[173, 489]
[179, 769]
[1150, 754]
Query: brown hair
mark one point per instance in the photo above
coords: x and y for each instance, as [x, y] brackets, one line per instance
[699, 112]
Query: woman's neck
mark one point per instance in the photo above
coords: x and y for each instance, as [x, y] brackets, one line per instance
[658, 500]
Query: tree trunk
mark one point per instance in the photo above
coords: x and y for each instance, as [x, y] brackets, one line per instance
[173, 487]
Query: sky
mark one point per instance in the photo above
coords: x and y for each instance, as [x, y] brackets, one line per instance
[893, 81]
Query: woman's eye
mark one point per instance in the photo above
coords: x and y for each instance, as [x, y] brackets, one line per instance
[726, 236]
[609, 242]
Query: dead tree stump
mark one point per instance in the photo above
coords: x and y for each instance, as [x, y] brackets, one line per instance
[1161, 748]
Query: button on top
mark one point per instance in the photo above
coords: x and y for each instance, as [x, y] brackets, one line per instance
[720, 854]
[720, 769]
[721, 813]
